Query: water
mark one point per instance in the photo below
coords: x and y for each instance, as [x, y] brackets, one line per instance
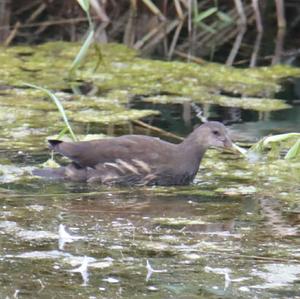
[207, 246]
[220, 237]
[234, 233]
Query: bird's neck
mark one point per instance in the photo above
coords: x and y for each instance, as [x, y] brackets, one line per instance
[194, 144]
[192, 152]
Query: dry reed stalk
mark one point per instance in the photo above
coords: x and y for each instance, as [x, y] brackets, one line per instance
[206, 39]
[175, 39]
[162, 33]
[279, 46]
[5, 14]
[236, 46]
[240, 9]
[36, 13]
[53, 22]
[12, 35]
[100, 11]
[156, 129]
[254, 55]
[140, 43]
[155, 10]
[258, 20]
[281, 22]
[129, 33]
[178, 9]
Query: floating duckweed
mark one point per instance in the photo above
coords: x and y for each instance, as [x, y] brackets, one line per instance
[110, 117]
[123, 75]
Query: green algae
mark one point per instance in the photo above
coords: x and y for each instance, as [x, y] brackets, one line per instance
[276, 143]
[30, 117]
[29, 113]
[110, 117]
[123, 75]
[217, 223]
[184, 235]
[258, 104]
[234, 177]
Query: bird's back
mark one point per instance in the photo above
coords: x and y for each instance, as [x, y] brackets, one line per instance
[90, 153]
[125, 160]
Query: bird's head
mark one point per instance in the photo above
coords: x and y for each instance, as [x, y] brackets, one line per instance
[213, 134]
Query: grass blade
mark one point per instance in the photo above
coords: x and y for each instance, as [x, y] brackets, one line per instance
[279, 138]
[99, 57]
[224, 17]
[207, 28]
[153, 8]
[294, 151]
[85, 5]
[59, 106]
[83, 51]
[62, 132]
[205, 14]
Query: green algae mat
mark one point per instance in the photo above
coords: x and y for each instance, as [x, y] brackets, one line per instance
[121, 75]
[101, 90]
[229, 235]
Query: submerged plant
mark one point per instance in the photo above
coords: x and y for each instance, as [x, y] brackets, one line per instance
[60, 109]
[275, 143]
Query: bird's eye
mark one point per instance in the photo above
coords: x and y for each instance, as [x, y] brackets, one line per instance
[216, 132]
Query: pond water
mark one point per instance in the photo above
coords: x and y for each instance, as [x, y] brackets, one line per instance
[234, 233]
[207, 247]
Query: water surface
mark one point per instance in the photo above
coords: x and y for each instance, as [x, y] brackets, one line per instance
[234, 233]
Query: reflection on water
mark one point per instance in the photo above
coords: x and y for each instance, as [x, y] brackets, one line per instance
[192, 245]
[233, 234]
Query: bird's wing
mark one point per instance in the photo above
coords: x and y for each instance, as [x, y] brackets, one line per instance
[90, 153]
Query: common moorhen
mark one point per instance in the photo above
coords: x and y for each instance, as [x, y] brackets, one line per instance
[138, 159]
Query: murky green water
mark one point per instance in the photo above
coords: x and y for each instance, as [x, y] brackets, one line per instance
[208, 246]
[234, 233]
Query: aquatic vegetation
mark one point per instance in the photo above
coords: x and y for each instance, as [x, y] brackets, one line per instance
[258, 104]
[85, 5]
[294, 151]
[208, 232]
[111, 117]
[60, 109]
[36, 117]
[125, 74]
[276, 143]
[214, 238]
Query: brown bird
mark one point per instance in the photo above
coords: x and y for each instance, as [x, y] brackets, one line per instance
[137, 159]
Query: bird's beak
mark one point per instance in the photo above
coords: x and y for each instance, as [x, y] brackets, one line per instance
[227, 143]
[232, 147]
